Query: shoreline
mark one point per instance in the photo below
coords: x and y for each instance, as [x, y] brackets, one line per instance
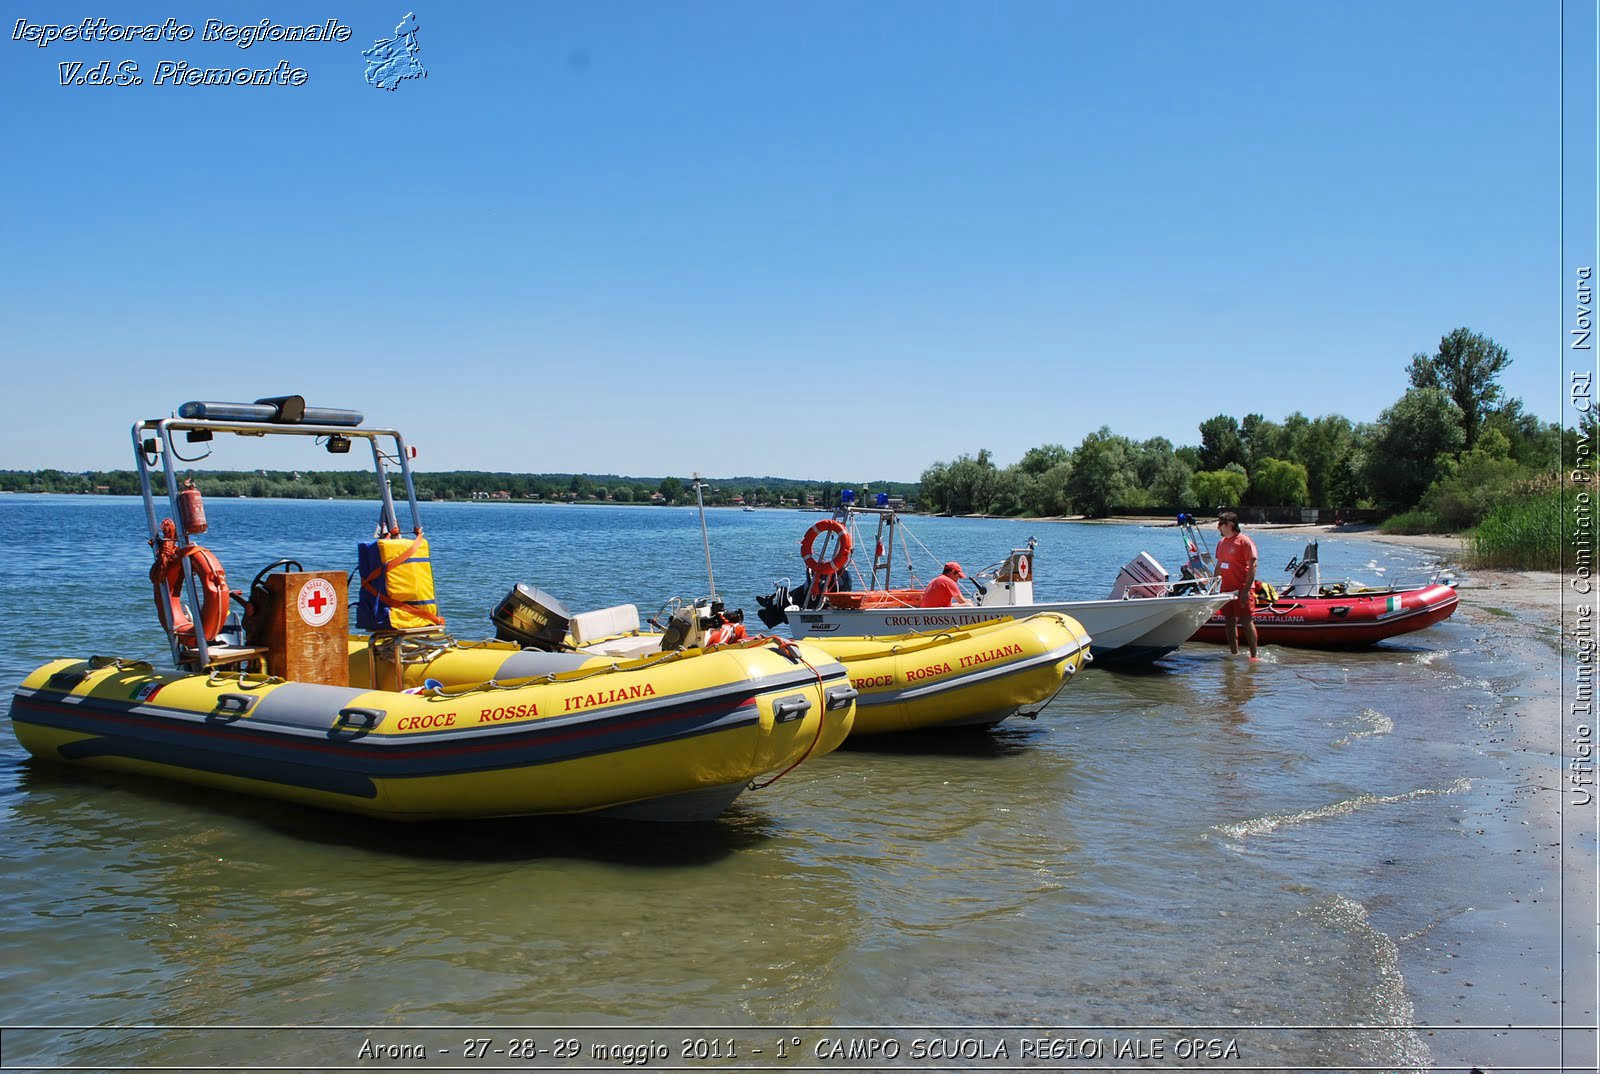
[1531, 591]
[1501, 955]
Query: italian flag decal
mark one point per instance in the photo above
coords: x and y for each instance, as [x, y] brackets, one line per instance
[1391, 605]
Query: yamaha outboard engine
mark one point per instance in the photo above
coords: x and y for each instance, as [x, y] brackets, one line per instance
[532, 618]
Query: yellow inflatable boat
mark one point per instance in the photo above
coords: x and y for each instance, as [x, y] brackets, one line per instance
[672, 737]
[978, 676]
[975, 677]
[405, 722]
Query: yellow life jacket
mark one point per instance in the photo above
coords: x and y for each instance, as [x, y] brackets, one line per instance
[396, 584]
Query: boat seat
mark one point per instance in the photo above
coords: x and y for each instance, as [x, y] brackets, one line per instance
[219, 656]
[626, 648]
[604, 623]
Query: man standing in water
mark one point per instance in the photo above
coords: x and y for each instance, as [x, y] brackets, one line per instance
[1236, 568]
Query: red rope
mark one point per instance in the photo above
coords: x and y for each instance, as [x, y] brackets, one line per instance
[789, 648]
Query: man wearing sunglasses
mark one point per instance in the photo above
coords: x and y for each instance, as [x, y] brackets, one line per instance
[1236, 567]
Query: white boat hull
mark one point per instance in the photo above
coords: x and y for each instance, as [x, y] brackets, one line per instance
[1123, 631]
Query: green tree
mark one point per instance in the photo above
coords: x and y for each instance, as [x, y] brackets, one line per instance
[1174, 485]
[1103, 473]
[671, 488]
[1403, 457]
[1258, 439]
[1534, 444]
[1327, 451]
[1279, 482]
[1293, 439]
[1051, 495]
[1220, 488]
[972, 484]
[1013, 492]
[1150, 458]
[1472, 484]
[1219, 443]
[1466, 369]
[1042, 459]
[936, 487]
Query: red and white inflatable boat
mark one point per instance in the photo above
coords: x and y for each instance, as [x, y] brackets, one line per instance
[1304, 610]
[1351, 618]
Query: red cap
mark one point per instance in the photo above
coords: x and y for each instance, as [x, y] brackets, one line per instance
[955, 569]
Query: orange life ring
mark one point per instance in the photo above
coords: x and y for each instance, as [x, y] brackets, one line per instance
[167, 576]
[824, 567]
[1023, 568]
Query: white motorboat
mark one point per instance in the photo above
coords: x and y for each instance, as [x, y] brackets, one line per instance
[1146, 617]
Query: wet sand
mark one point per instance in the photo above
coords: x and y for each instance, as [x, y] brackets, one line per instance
[1527, 959]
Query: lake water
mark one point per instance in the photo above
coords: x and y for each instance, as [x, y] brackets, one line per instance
[1181, 854]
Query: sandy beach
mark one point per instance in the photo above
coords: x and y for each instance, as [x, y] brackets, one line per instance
[1542, 851]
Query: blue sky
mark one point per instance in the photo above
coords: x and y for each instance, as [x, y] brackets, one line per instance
[810, 239]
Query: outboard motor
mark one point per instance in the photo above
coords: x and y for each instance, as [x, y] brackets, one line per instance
[772, 607]
[532, 618]
[705, 622]
[1141, 576]
[813, 592]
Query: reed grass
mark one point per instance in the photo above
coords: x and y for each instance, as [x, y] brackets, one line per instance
[1522, 535]
[1415, 521]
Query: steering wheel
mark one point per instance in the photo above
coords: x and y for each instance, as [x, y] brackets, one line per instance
[662, 618]
[270, 567]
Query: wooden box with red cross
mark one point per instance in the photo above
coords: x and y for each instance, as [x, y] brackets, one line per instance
[309, 633]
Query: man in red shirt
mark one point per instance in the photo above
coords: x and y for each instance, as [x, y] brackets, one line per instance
[942, 591]
[1236, 567]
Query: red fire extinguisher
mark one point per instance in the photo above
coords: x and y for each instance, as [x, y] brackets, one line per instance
[191, 509]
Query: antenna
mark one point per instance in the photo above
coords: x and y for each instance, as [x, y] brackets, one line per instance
[700, 502]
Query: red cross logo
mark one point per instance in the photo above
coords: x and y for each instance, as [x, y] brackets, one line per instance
[318, 602]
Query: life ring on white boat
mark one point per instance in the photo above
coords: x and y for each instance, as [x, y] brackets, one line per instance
[167, 576]
[824, 567]
[1022, 569]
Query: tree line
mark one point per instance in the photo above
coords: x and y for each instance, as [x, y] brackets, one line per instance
[1441, 457]
[1447, 451]
[456, 485]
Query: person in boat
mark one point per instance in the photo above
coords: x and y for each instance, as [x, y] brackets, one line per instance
[1236, 568]
[942, 592]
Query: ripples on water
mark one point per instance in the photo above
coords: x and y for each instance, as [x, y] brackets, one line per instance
[1265, 825]
[1204, 842]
